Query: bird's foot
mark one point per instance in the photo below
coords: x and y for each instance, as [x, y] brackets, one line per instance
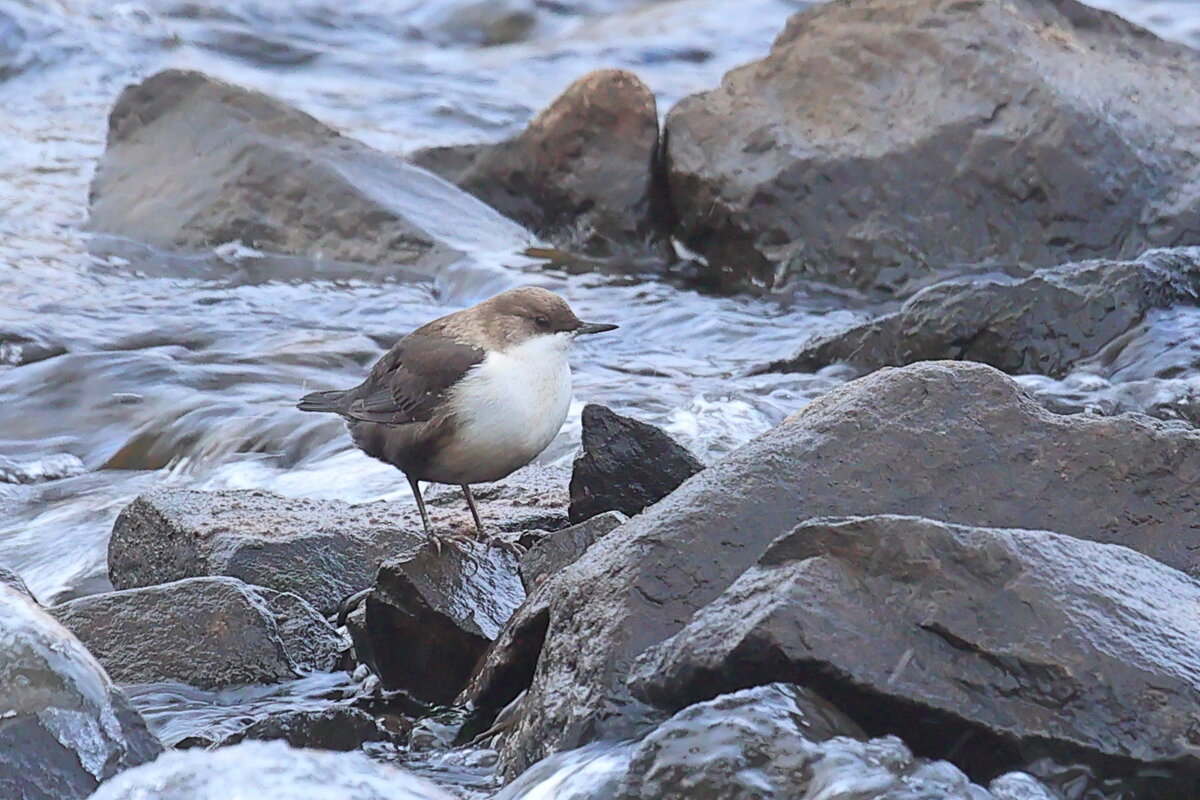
[453, 539]
[511, 545]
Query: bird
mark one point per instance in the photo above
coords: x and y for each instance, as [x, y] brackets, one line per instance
[468, 398]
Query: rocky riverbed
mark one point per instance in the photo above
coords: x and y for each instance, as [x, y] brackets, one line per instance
[886, 487]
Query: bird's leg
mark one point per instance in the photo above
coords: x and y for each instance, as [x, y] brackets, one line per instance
[474, 512]
[513, 547]
[416, 490]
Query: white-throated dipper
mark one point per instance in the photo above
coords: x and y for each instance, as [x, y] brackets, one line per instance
[468, 398]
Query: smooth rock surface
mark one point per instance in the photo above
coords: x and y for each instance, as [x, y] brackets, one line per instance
[267, 771]
[322, 551]
[271, 177]
[209, 632]
[64, 726]
[580, 174]
[625, 465]
[884, 140]
[1042, 324]
[1091, 649]
[550, 553]
[430, 617]
[956, 441]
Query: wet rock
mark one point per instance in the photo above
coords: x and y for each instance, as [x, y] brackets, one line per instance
[209, 632]
[337, 728]
[550, 553]
[857, 152]
[580, 174]
[1042, 324]
[13, 580]
[430, 617]
[1008, 635]
[64, 727]
[485, 23]
[955, 441]
[766, 743]
[17, 349]
[625, 465]
[269, 176]
[268, 770]
[322, 551]
[48, 468]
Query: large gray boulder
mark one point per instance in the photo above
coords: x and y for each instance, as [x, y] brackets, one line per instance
[193, 162]
[270, 771]
[955, 441]
[881, 140]
[64, 726]
[322, 551]
[210, 632]
[580, 173]
[1044, 323]
[1008, 635]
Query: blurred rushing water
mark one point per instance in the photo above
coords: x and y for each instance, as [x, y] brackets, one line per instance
[183, 370]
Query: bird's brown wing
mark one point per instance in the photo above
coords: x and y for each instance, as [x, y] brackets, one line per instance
[411, 380]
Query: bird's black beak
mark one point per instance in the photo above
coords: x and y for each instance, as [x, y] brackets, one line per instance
[594, 327]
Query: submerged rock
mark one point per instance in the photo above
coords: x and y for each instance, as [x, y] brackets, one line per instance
[268, 770]
[1043, 324]
[13, 580]
[341, 728]
[882, 140]
[550, 553]
[430, 617]
[980, 638]
[209, 632]
[266, 175]
[956, 441]
[626, 465]
[580, 175]
[64, 727]
[774, 742]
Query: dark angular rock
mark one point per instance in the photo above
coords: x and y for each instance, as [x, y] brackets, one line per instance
[550, 553]
[580, 175]
[13, 580]
[430, 617]
[209, 632]
[64, 727]
[882, 141]
[268, 770]
[956, 441]
[267, 175]
[1010, 635]
[337, 728]
[17, 349]
[322, 551]
[1043, 324]
[625, 465]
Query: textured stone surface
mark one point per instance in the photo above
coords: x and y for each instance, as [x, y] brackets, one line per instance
[626, 465]
[269, 176]
[268, 770]
[1028, 635]
[580, 174]
[882, 140]
[320, 550]
[951, 440]
[1042, 324]
[209, 632]
[430, 617]
[336, 728]
[64, 727]
[550, 553]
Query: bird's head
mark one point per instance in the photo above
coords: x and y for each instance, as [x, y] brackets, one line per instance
[518, 316]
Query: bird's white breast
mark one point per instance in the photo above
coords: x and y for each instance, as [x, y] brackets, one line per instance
[510, 407]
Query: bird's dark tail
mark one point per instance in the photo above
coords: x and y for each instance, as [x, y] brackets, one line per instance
[333, 401]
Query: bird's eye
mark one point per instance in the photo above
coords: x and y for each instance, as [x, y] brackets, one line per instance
[541, 321]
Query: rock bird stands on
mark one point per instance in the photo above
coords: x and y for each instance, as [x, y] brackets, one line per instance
[468, 398]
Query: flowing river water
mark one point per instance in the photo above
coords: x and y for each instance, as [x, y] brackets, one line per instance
[184, 371]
